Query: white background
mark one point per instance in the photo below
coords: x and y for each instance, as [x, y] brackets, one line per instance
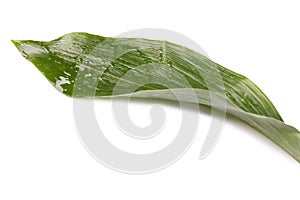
[41, 156]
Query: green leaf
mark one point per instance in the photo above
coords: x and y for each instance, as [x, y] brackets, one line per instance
[82, 65]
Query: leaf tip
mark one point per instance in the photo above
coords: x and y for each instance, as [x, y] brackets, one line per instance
[17, 43]
[30, 49]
